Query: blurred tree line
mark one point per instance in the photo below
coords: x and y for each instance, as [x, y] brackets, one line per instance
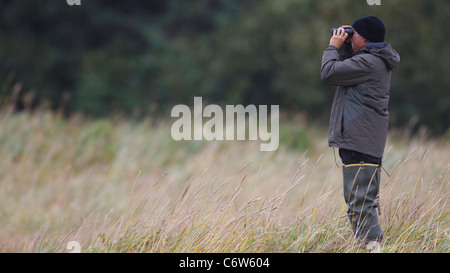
[142, 57]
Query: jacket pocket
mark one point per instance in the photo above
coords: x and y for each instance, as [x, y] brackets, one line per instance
[354, 102]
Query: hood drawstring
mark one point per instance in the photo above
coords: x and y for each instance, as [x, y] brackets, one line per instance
[381, 166]
[335, 161]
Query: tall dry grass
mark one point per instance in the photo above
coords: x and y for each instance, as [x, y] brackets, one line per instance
[116, 185]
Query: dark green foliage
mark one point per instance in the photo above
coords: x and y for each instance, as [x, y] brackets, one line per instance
[141, 57]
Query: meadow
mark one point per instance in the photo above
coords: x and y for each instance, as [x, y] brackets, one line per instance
[118, 185]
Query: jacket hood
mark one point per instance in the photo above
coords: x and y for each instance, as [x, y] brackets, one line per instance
[384, 51]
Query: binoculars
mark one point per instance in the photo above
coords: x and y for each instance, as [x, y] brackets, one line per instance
[349, 31]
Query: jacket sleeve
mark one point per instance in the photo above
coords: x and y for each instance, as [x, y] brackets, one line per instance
[347, 72]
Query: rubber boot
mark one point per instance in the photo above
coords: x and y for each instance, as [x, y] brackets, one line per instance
[361, 187]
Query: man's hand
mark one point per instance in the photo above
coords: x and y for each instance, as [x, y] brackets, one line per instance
[339, 37]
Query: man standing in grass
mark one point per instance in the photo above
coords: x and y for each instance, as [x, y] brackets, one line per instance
[360, 66]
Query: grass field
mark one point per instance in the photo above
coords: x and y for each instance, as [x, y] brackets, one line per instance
[116, 185]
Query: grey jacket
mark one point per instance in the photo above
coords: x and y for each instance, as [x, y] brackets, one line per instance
[359, 114]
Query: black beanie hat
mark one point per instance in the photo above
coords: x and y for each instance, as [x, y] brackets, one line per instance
[370, 27]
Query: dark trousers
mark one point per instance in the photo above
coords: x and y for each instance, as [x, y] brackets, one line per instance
[354, 157]
[361, 173]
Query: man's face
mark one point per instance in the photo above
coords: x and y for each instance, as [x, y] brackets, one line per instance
[358, 41]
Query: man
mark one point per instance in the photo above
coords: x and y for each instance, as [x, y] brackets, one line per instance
[359, 115]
